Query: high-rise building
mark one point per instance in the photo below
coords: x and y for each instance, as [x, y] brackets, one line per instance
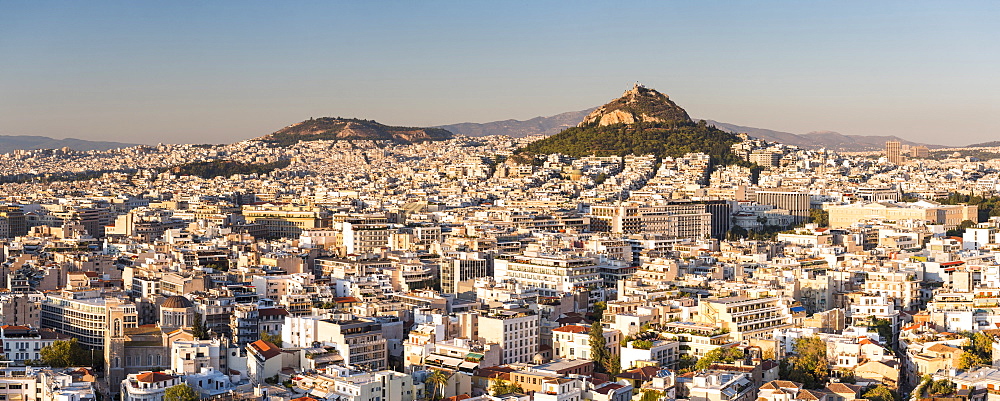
[796, 203]
[16, 224]
[893, 151]
[677, 219]
[458, 272]
[920, 152]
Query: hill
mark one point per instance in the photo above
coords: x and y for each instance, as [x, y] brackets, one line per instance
[554, 124]
[10, 143]
[991, 144]
[519, 129]
[330, 128]
[642, 121]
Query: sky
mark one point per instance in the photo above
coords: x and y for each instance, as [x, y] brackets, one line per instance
[224, 71]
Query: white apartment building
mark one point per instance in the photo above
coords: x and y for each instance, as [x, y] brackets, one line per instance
[19, 383]
[21, 343]
[746, 317]
[360, 341]
[147, 386]
[573, 342]
[190, 357]
[517, 332]
[551, 275]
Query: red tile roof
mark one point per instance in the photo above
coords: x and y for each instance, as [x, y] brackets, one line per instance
[265, 349]
[272, 312]
[153, 377]
[573, 328]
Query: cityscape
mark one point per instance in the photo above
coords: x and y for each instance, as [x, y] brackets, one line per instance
[624, 252]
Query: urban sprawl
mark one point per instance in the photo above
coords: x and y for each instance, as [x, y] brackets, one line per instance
[381, 271]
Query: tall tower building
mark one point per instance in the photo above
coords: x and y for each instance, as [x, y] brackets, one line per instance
[893, 151]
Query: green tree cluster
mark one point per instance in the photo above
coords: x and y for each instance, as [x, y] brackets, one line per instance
[988, 206]
[979, 351]
[673, 139]
[808, 365]
[651, 395]
[884, 329]
[719, 355]
[500, 387]
[180, 392]
[881, 393]
[226, 168]
[271, 338]
[960, 229]
[65, 353]
[940, 387]
[819, 216]
[597, 313]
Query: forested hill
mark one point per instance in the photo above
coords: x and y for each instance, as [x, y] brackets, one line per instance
[330, 128]
[642, 121]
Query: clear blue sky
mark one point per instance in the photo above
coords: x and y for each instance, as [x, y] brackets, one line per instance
[218, 71]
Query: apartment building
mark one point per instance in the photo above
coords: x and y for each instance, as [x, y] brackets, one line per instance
[516, 330]
[745, 317]
[678, 220]
[86, 316]
[360, 341]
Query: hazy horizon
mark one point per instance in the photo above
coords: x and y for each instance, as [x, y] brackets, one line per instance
[219, 72]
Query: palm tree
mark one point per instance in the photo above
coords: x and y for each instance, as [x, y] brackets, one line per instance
[439, 379]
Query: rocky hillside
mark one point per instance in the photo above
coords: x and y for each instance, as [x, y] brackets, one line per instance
[330, 128]
[639, 104]
[642, 121]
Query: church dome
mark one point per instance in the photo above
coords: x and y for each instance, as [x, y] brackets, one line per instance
[176, 302]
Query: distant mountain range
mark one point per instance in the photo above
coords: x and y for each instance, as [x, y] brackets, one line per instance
[536, 126]
[10, 143]
[819, 139]
[554, 124]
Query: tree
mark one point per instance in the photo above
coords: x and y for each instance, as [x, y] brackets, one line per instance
[271, 338]
[884, 329]
[970, 360]
[978, 352]
[847, 376]
[439, 379]
[63, 354]
[198, 327]
[651, 395]
[597, 314]
[809, 365]
[685, 363]
[180, 392]
[941, 387]
[501, 387]
[642, 344]
[614, 365]
[599, 347]
[819, 216]
[958, 231]
[881, 393]
[719, 355]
